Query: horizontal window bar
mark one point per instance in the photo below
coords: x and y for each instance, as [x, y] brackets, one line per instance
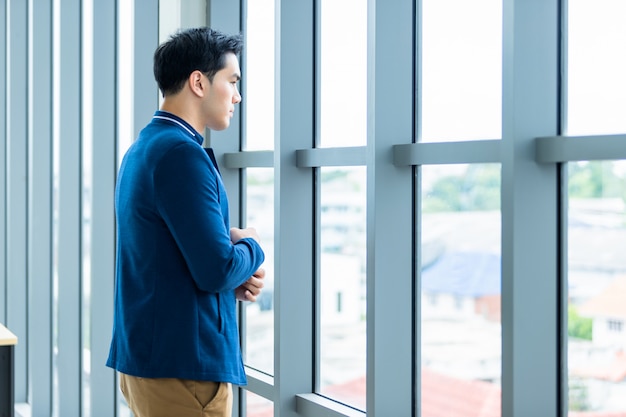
[261, 384]
[435, 153]
[580, 148]
[485, 151]
[313, 405]
[249, 159]
[327, 157]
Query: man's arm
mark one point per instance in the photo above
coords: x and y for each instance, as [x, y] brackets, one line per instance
[191, 204]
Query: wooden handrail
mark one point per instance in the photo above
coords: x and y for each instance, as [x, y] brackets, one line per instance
[6, 337]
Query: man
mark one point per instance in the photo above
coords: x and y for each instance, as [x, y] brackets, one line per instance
[180, 267]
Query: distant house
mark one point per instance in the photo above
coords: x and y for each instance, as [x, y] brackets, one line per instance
[442, 396]
[608, 311]
[462, 284]
[342, 288]
[602, 372]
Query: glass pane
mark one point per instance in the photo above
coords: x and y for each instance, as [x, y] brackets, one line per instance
[125, 80]
[343, 73]
[461, 70]
[460, 290]
[258, 79]
[257, 406]
[123, 410]
[124, 112]
[596, 313]
[259, 343]
[596, 96]
[341, 303]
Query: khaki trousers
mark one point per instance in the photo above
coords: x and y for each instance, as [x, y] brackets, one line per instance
[171, 397]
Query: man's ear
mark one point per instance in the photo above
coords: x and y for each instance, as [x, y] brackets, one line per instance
[196, 83]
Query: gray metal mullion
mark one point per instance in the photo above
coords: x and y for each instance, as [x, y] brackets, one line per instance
[40, 208]
[467, 152]
[562, 302]
[294, 207]
[529, 210]
[3, 163]
[317, 268]
[249, 159]
[564, 62]
[312, 405]
[580, 148]
[301, 156]
[68, 239]
[316, 48]
[17, 189]
[243, 89]
[323, 157]
[390, 330]
[417, 201]
[146, 39]
[260, 383]
[103, 387]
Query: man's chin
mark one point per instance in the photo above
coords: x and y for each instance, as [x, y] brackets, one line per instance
[217, 128]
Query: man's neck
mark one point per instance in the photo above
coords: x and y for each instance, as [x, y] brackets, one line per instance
[181, 108]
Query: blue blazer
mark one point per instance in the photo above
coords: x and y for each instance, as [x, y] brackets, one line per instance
[176, 268]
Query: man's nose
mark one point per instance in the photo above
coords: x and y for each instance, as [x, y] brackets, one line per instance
[237, 97]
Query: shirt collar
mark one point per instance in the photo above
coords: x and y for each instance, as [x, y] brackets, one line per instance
[172, 118]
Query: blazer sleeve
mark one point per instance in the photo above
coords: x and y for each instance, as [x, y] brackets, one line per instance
[187, 190]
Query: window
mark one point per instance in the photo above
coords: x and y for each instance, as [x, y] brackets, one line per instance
[595, 103]
[616, 325]
[258, 133]
[596, 284]
[461, 70]
[460, 265]
[403, 256]
[341, 300]
[343, 71]
[258, 80]
[596, 86]
[259, 343]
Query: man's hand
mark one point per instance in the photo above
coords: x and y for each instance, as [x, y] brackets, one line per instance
[237, 234]
[249, 290]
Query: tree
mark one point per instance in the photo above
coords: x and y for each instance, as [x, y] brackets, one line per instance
[478, 189]
[578, 326]
[597, 179]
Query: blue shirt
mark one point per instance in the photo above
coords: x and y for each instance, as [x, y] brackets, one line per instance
[176, 268]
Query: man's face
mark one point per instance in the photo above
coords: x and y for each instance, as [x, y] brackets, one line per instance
[222, 95]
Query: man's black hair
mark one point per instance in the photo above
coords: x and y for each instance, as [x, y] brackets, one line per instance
[202, 49]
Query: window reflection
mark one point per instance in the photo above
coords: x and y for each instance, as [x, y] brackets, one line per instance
[596, 90]
[460, 290]
[596, 288]
[342, 314]
[343, 73]
[461, 70]
[258, 80]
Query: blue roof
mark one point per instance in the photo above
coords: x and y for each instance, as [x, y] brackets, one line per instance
[464, 273]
